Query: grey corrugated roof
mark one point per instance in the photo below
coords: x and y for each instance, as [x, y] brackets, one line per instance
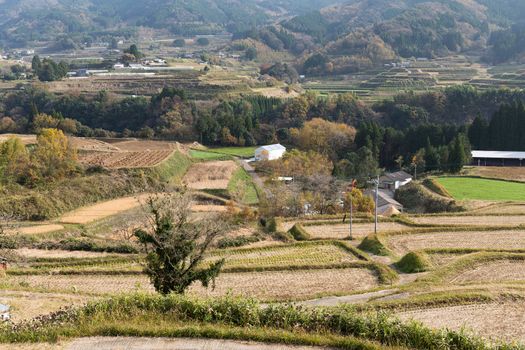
[498, 154]
[397, 176]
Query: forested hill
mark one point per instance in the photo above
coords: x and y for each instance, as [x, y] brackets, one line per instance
[23, 21]
[359, 34]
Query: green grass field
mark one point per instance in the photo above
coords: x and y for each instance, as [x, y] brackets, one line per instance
[468, 188]
[208, 156]
[243, 152]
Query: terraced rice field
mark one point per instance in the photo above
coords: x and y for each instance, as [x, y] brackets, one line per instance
[284, 256]
[103, 210]
[498, 320]
[360, 230]
[494, 271]
[210, 175]
[507, 220]
[125, 160]
[510, 209]
[274, 285]
[144, 145]
[505, 239]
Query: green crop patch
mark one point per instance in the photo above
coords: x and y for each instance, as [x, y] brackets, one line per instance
[469, 188]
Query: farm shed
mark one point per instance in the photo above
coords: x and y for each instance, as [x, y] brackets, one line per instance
[393, 181]
[498, 158]
[270, 152]
[385, 202]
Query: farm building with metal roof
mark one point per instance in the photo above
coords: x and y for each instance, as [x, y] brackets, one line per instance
[498, 158]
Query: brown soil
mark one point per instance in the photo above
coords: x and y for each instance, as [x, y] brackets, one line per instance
[125, 160]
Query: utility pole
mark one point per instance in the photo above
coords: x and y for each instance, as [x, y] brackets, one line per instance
[377, 201]
[351, 216]
[376, 183]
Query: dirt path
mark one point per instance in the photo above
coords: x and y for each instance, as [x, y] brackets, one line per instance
[103, 343]
[348, 299]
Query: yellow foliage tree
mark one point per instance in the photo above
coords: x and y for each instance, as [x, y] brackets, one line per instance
[360, 202]
[322, 136]
[54, 156]
[14, 160]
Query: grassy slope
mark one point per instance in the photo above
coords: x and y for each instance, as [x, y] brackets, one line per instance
[51, 200]
[466, 188]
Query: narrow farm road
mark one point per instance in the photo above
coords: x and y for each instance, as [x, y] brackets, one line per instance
[256, 178]
[118, 343]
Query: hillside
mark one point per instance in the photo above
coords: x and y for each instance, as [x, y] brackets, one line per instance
[88, 20]
[360, 34]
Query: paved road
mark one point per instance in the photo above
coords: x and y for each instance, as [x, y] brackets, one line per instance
[123, 343]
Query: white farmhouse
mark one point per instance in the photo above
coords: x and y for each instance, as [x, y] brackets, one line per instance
[270, 152]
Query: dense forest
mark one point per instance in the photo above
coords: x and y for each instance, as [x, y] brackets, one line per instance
[431, 131]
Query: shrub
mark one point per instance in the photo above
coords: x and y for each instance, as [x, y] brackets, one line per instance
[240, 241]
[373, 244]
[299, 233]
[414, 262]
[419, 199]
[73, 244]
[100, 317]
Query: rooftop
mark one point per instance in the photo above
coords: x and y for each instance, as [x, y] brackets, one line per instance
[498, 154]
[397, 176]
[276, 147]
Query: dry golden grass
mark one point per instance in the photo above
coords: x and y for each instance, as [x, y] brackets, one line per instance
[503, 321]
[103, 210]
[87, 144]
[359, 230]
[27, 305]
[292, 285]
[143, 145]
[511, 239]
[494, 271]
[507, 220]
[58, 254]
[210, 175]
[283, 256]
[505, 173]
[510, 209]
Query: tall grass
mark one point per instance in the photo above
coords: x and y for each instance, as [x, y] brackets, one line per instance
[99, 317]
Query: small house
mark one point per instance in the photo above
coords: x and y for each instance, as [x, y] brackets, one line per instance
[394, 181]
[270, 152]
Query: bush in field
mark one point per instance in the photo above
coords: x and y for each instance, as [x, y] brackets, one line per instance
[414, 262]
[360, 202]
[417, 198]
[176, 245]
[374, 245]
[299, 233]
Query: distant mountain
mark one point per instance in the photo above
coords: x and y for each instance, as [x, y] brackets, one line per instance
[22, 21]
[357, 34]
